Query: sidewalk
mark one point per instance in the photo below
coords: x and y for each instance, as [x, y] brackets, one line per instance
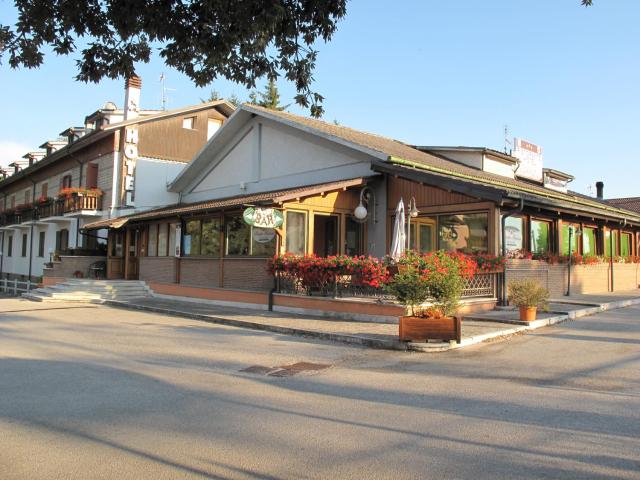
[475, 329]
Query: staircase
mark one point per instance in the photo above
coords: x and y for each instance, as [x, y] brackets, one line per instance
[94, 291]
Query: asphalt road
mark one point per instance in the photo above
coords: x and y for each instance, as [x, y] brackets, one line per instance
[93, 392]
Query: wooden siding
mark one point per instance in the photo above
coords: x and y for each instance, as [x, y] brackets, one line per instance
[167, 140]
[425, 195]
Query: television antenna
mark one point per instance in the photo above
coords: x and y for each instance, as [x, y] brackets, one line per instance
[164, 99]
[507, 142]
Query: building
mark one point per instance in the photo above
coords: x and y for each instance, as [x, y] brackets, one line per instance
[118, 162]
[316, 174]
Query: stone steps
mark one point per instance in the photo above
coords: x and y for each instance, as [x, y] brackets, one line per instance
[93, 291]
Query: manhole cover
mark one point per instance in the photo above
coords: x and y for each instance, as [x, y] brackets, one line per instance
[305, 366]
[259, 369]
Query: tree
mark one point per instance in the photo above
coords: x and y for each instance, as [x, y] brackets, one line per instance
[241, 41]
[233, 99]
[270, 98]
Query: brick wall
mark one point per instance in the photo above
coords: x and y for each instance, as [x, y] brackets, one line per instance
[584, 278]
[200, 272]
[247, 274]
[68, 265]
[158, 269]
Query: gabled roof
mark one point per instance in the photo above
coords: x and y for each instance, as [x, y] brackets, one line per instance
[388, 150]
[93, 136]
[269, 198]
[484, 150]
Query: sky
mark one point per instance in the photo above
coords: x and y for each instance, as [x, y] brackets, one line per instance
[426, 72]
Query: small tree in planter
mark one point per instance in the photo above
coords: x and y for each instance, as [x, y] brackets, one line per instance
[437, 276]
[528, 295]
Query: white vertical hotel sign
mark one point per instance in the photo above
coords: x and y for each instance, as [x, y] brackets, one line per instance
[130, 157]
[530, 156]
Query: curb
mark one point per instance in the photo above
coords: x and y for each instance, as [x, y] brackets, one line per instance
[382, 344]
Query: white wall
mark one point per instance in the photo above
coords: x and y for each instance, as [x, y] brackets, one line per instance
[266, 156]
[498, 167]
[151, 179]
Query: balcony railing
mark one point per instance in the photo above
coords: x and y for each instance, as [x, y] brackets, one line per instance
[55, 208]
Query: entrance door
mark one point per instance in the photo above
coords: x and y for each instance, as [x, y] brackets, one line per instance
[325, 235]
[132, 254]
[115, 255]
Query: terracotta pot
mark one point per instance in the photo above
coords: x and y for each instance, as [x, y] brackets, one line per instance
[528, 314]
[424, 328]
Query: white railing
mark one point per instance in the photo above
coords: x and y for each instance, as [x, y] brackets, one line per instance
[16, 287]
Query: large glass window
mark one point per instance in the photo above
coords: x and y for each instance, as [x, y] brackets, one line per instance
[540, 236]
[41, 240]
[607, 243]
[564, 250]
[514, 233]
[353, 237]
[191, 237]
[10, 246]
[625, 245]
[296, 232]
[467, 233]
[211, 237]
[172, 238]
[162, 239]
[242, 239]
[152, 247]
[588, 241]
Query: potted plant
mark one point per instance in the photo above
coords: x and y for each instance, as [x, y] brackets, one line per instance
[528, 295]
[440, 278]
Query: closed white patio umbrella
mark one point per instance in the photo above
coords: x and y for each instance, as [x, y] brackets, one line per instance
[399, 238]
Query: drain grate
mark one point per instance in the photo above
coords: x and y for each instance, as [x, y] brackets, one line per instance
[286, 370]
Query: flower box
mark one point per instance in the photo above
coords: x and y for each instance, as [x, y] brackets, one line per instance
[429, 328]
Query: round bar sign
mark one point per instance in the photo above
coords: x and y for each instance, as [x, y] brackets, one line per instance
[263, 217]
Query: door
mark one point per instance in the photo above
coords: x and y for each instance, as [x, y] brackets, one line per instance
[115, 256]
[325, 235]
[133, 252]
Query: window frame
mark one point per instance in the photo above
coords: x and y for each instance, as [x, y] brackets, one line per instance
[42, 238]
[306, 229]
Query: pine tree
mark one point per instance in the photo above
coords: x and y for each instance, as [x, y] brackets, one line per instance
[270, 98]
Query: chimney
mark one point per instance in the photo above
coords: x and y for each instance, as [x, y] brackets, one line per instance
[132, 97]
[600, 190]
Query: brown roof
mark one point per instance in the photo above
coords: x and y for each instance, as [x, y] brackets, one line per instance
[629, 203]
[403, 154]
[277, 196]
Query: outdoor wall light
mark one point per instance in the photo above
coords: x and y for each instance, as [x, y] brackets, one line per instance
[361, 213]
[413, 210]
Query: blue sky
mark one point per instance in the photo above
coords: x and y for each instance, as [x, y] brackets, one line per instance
[427, 72]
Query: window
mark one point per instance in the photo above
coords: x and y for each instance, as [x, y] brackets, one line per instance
[92, 175]
[66, 182]
[24, 244]
[625, 245]
[325, 235]
[117, 242]
[588, 241]
[189, 123]
[172, 238]
[10, 246]
[569, 231]
[213, 126]
[608, 244]
[514, 233]
[242, 239]
[466, 233]
[12, 201]
[296, 232]
[44, 190]
[152, 244]
[41, 240]
[191, 238]
[353, 238]
[27, 197]
[540, 233]
[62, 239]
[211, 237]
[423, 231]
[163, 235]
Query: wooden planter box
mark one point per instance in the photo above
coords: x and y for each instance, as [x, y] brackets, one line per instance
[423, 329]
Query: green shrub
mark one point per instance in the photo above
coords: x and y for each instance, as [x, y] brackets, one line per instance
[528, 293]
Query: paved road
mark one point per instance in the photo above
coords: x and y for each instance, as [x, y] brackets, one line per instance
[93, 392]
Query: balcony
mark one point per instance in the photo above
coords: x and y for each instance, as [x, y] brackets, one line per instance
[77, 203]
